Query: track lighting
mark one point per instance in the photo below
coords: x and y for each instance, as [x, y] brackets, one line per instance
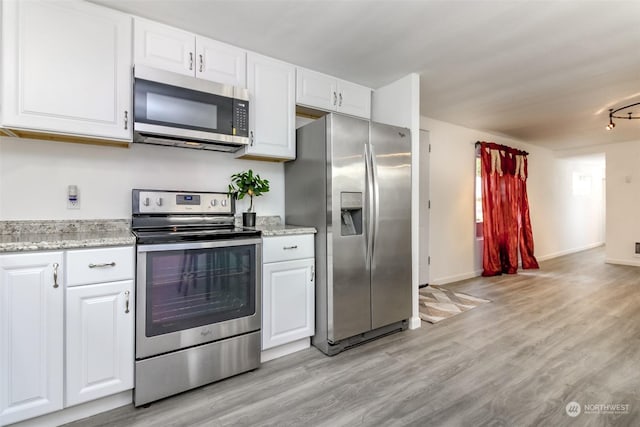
[612, 115]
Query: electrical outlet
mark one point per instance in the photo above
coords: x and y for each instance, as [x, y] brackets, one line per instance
[73, 200]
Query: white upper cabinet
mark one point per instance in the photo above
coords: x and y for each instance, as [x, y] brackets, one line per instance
[220, 62]
[354, 99]
[272, 106]
[31, 335]
[67, 68]
[161, 46]
[316, 89]
[319, 90]
[164, 47]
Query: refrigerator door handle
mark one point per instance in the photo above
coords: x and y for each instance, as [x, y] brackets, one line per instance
[376, 200]
[369, 205]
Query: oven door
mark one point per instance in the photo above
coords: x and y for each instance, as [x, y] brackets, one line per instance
[193, 293]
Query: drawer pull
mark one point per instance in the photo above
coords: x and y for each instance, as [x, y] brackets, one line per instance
[286, 248]
[106, 264]
[55, 274]
[126, 303]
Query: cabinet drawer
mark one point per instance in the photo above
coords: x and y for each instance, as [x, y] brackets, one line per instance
[284, 248]
[99, 265]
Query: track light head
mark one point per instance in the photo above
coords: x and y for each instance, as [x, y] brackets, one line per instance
[612, 115]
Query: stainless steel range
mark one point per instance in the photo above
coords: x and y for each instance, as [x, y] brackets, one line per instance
[198, 284]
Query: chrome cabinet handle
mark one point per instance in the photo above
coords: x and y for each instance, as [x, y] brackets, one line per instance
[251, 138]
[313, 272]
[126, 303]
[201, 63]
[340, 103]
[106, 264]
[290, 247]
[190, 61]
[126, 120]
[335, 98]
[55, 274]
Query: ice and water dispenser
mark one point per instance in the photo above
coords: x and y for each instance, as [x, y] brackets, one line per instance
[351, 213]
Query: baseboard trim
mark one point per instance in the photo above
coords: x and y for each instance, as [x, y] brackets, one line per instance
[284, 349]
[569, 251]
[415, 322]
[78, 412]
[622, 262]
[456, 278]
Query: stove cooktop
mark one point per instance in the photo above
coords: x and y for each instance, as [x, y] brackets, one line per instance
[193, 235]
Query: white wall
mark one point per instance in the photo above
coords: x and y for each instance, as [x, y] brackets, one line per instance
[558, 219]
[398, 104]
[34, 176]
[622, 191]
[623, 202]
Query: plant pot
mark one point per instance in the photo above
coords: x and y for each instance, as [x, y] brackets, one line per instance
[249, 219]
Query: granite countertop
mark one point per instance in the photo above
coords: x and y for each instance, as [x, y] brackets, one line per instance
[22, 236]
[273, 226]
[284, 230]
[46, 235]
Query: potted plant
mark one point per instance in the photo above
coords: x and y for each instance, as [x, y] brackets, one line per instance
[248, 184]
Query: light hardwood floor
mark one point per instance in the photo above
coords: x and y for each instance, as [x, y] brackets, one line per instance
[567, 332]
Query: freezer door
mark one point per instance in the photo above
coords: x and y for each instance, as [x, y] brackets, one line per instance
[391, 259]
[348, 278]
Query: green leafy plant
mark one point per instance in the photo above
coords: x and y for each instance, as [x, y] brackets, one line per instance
[247, 184]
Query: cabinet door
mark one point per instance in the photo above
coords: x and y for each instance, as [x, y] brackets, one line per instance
[31, 310]
[354, 99]
[316, 90]
[161, 46]
[220, 62]
[67, 68]
[272, 106]
[288, 308]
[99, 346]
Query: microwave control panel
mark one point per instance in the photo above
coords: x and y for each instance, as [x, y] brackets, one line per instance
[240, 117]
[171, 202]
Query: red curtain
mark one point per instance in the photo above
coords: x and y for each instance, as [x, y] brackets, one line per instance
[505, 208]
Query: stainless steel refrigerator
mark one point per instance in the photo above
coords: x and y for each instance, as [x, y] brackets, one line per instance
[352, 181]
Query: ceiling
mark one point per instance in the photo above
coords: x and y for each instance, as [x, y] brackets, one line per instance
[543, 72]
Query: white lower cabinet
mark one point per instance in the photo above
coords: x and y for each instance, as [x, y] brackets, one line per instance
[289, 299]
[99, 341]
[94, 334]
[288, 294]
[31, 335]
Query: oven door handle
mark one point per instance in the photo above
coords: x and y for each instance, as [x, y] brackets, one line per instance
[197, 245]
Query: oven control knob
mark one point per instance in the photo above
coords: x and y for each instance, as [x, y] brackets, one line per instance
[146, 201]
[223, 202]
[159, 201]
[214, 202]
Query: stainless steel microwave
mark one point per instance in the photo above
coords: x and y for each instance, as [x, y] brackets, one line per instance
[183, 111]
